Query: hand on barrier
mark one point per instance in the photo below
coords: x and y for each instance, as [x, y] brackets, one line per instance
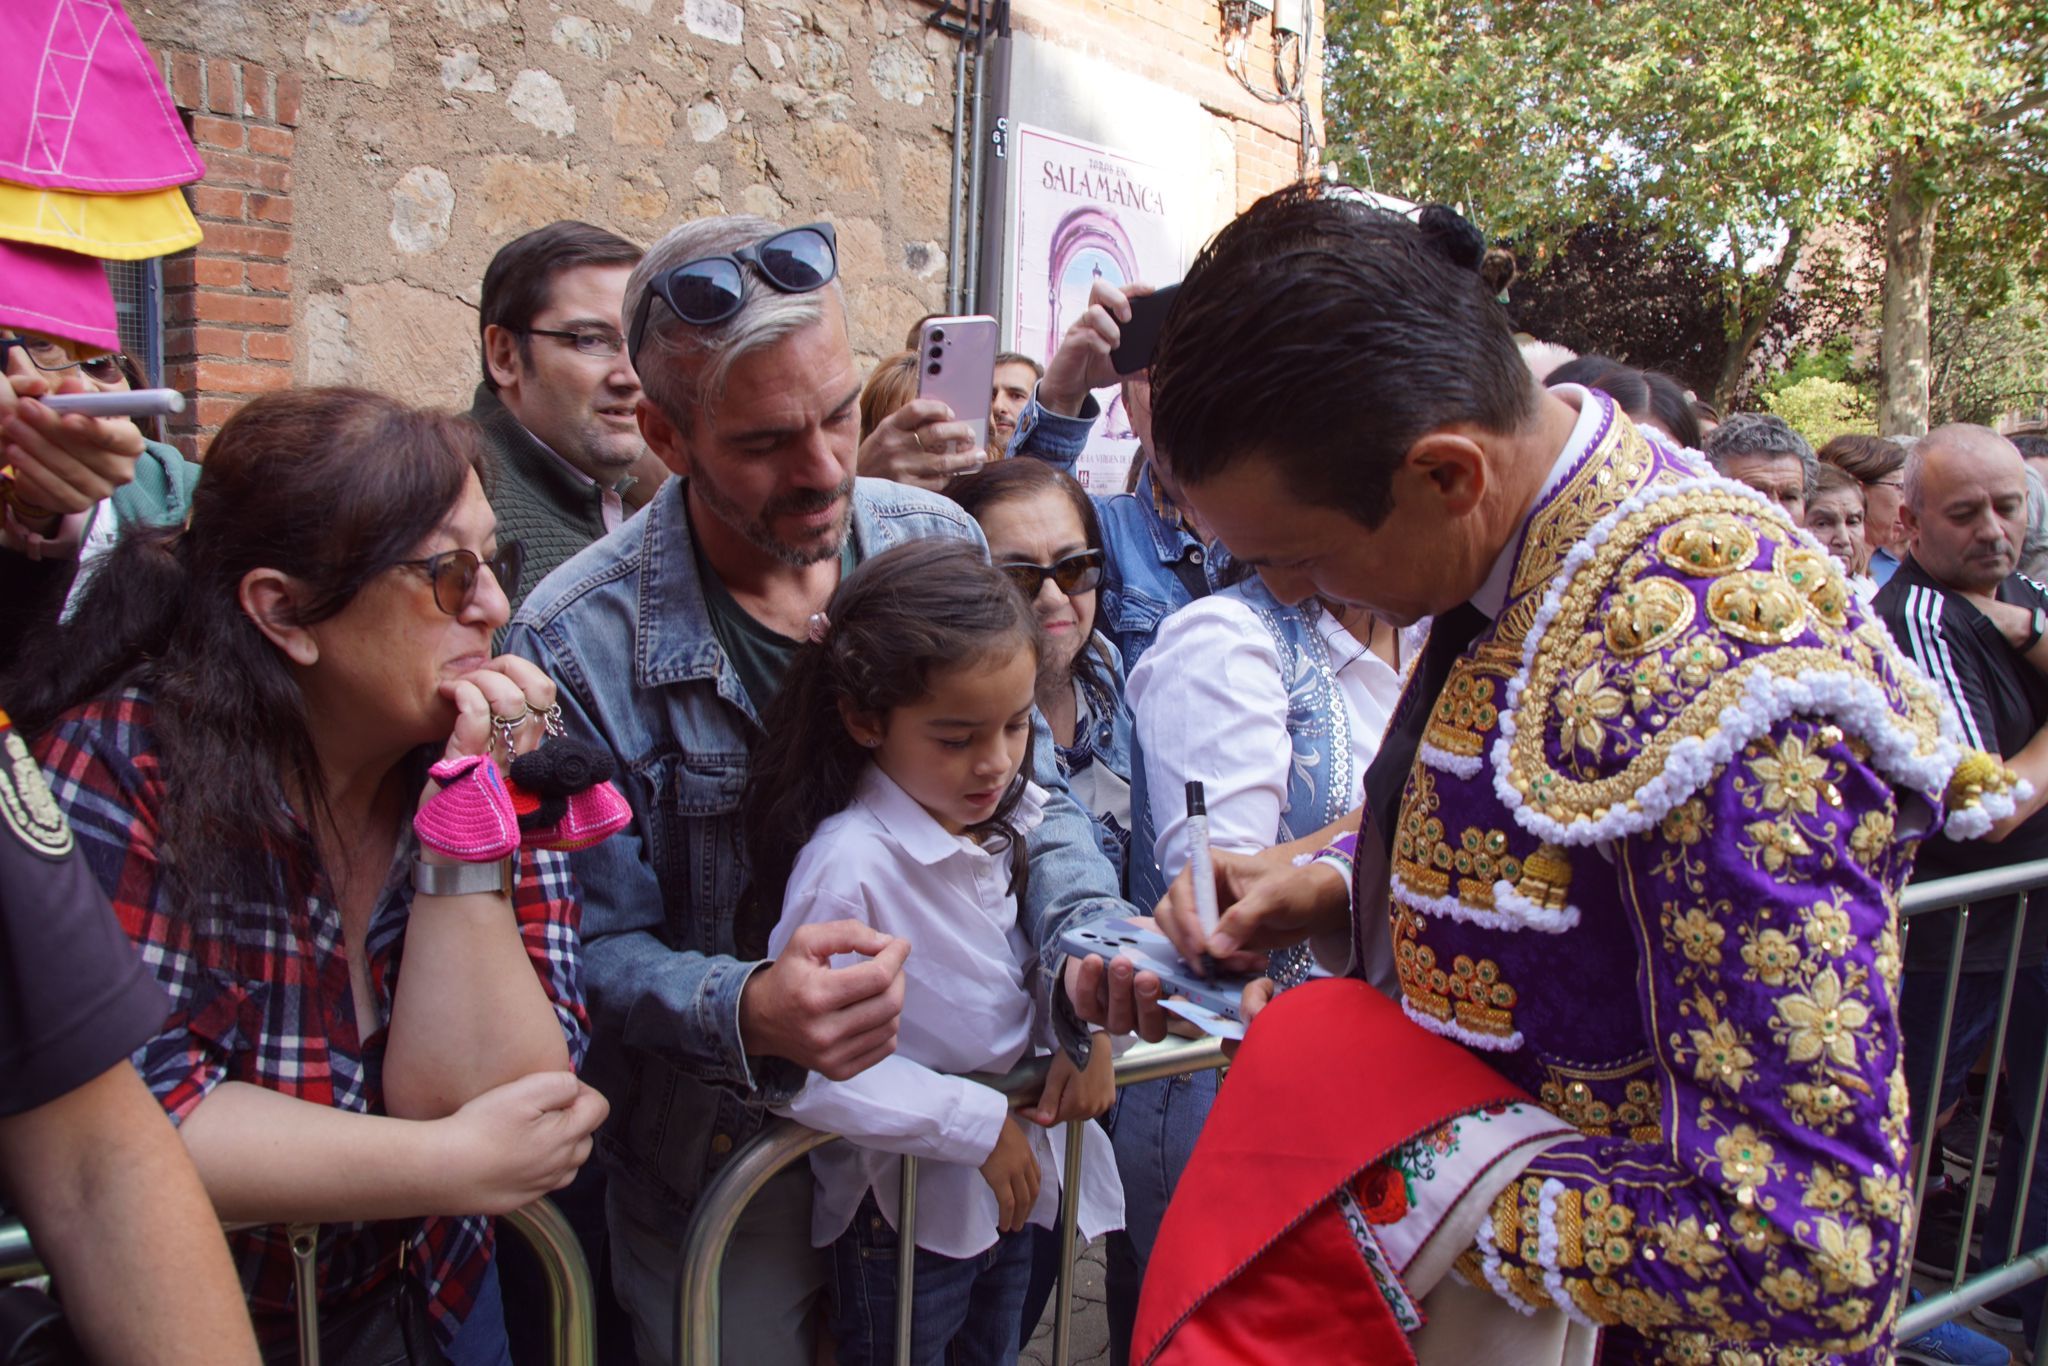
[920, 444]
[1266, 903]
[836, 1021]
[516, 1142]
[1072, 1093]
[1012, 1173]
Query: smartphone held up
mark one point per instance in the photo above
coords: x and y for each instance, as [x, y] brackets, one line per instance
[956, 364]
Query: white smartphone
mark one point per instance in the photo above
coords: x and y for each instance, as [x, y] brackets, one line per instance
[956, 364]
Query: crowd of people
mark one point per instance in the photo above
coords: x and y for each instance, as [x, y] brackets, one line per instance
[1597, 729]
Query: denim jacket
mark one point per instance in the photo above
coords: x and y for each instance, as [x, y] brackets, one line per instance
[1141, 548]
[623, 630]
[1105, 740]
[1321, 783]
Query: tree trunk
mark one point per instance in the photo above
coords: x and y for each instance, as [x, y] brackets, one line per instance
[1902, 347]
[1753, 310]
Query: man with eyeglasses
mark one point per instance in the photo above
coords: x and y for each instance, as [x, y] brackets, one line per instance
[558, 392]
[671, 638]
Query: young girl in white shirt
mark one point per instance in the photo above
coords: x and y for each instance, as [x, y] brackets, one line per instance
[890, 789]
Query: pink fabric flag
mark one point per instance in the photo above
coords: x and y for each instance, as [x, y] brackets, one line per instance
[89, 110]
[59, 293]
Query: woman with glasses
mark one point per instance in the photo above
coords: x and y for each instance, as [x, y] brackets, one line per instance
[1042, 532]
[367, 1034]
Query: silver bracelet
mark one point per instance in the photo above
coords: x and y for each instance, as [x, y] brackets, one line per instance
[462, 879]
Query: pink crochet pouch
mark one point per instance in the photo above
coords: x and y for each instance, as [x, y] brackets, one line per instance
[471, 817]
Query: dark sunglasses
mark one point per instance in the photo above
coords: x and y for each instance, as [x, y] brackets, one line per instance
[453, 574]
[1074, 574]
[710, 289]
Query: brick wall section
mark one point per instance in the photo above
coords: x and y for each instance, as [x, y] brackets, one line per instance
[227, 302]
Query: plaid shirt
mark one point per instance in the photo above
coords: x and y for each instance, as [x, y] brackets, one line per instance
[264, 997]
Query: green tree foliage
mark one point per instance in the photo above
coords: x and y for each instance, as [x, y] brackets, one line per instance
[1735, 131]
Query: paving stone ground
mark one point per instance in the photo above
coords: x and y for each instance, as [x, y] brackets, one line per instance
[1091, 1318]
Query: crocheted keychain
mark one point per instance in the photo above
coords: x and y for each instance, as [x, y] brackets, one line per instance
[560, 797]
[562, 791]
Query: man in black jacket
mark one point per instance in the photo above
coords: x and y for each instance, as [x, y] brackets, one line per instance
[559, 391]
[1975, 625]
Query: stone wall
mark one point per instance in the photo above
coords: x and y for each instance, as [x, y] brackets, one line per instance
[422, 134]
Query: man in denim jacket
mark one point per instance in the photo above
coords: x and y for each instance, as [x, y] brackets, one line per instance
[667, 639]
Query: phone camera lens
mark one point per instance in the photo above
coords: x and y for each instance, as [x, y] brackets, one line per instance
[938, 352]
[933, 368]
[938, 334]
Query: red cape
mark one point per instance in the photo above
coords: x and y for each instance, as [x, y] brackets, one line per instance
[1254, 1263]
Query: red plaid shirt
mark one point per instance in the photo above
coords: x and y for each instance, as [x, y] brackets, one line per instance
[263, 997]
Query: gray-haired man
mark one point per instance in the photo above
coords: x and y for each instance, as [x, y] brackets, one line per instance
[1762, 451]
[669, 639]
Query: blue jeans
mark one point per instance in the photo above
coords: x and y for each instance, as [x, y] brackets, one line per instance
[1153, 1127]
[967, 1307]
[481, 1340]
[2026, 1043]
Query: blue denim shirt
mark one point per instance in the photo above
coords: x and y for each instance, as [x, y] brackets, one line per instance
[623, 630]
[1140, 548]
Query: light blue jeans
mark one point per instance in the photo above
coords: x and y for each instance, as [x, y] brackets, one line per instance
[1153, 1127]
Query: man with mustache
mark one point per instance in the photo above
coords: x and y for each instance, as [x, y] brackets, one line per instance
[1959, 607]
[670, 638]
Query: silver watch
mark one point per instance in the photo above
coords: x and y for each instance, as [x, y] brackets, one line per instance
[462, 879]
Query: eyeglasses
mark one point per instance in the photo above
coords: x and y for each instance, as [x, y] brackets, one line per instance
[453, 574]
[51, 358]
[1074, 574]
[596, 345]
[710, 289]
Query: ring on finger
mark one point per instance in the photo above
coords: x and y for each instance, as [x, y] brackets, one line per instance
[918, 437]
[526, 713]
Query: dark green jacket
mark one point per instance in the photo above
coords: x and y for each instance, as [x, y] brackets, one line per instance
[540, 500]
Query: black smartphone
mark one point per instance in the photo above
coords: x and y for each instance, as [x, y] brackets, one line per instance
[1140, 336]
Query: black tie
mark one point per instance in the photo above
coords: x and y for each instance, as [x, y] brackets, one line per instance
[1449, 634]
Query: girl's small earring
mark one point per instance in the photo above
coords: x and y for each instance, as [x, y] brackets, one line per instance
[871, 742]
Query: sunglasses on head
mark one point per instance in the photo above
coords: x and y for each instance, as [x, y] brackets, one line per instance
[710, 289]
[1074, 574]
[454, 573]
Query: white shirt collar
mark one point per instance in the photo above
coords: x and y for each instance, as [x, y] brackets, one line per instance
[916, 830]
[1593, 419]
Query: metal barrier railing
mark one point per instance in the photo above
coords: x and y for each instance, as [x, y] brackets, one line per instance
[783, 1142]
[571, 1303]
[2017, 1268]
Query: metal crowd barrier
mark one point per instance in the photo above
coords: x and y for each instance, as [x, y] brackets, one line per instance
[785, 1141]
[571, 1302]
[2016, 1268]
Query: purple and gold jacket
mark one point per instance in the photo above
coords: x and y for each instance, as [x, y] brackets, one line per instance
[1647, 865]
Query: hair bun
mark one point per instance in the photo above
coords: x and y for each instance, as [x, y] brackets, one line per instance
[1450, 236]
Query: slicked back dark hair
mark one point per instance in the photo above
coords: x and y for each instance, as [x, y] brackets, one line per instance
[521, 278]
[1328, 335]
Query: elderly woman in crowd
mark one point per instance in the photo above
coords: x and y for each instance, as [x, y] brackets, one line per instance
[1043, 532]
[1879, 464]
[1835, 515]
[238, 723]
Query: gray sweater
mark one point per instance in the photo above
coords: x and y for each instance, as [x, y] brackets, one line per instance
[539, 498]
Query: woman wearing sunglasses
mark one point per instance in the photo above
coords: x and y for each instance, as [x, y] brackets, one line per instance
[1042, 532]
[366, 1035]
